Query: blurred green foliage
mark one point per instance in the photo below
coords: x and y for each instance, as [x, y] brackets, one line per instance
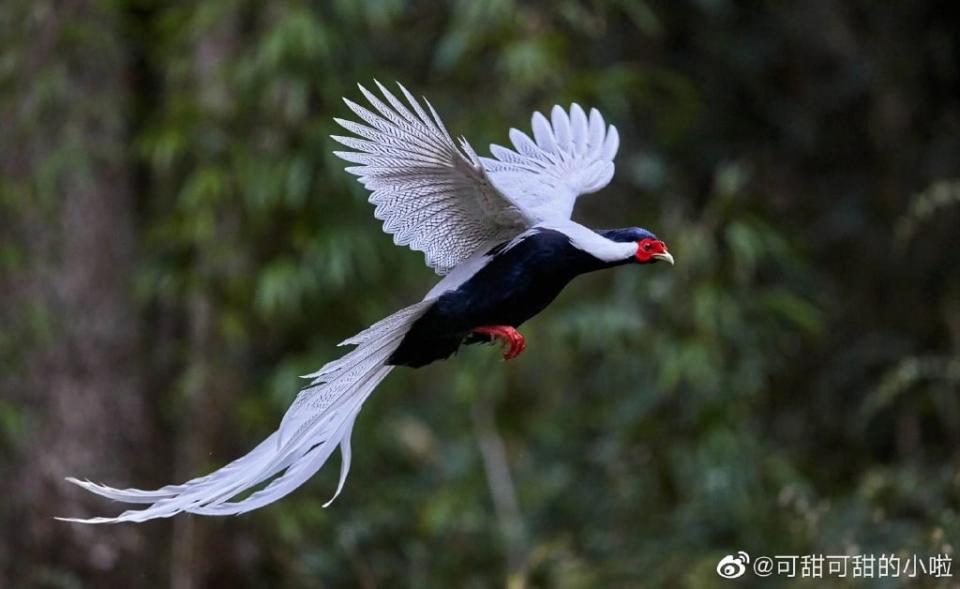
[790, 387]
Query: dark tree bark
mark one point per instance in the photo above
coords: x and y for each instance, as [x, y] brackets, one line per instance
[79, 386]
[208, 391]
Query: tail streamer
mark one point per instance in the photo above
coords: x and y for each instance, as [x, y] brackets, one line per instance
[319, 421]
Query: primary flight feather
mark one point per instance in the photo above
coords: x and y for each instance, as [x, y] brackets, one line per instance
[499, 232]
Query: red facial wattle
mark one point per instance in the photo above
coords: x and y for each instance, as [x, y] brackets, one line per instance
[648, 249]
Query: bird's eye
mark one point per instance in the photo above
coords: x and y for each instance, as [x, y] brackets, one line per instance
[647, 246]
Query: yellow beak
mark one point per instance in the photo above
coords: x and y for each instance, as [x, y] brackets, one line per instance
[665, 256]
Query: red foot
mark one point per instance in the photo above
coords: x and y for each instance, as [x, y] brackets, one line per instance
[508, 336]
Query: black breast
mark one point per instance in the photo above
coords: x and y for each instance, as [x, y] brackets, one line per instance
[513, 287]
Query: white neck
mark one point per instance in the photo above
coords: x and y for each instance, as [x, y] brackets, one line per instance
[592, 242]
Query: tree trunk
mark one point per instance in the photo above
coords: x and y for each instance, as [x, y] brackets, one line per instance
[78, 384]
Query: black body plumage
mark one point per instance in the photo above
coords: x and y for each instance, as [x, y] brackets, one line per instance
[519, 282]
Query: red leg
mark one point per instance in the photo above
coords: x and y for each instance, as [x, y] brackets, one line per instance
[508, 336]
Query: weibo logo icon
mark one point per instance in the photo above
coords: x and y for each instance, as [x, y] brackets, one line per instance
[733, 566]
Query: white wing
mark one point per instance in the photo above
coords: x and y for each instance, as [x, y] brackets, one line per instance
[430, 195]
[572, 155]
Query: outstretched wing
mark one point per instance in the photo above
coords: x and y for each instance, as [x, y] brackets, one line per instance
[570, 155]
[429, 194]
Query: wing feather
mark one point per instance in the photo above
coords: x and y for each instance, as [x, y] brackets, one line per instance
[430, 194]
[578, 126]
[570, 154]
[561, 128]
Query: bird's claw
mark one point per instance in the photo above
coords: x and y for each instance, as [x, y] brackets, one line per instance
[508, 336]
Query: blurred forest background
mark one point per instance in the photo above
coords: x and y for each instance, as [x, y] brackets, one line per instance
[177, 244]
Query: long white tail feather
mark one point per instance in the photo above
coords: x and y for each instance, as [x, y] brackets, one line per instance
[380, 339]
[321, 419]
[327, 389]
[141, 496]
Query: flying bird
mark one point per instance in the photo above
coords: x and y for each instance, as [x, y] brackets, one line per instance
[498, 231]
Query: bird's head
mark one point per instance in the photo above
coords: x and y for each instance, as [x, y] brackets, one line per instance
[649, 248]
